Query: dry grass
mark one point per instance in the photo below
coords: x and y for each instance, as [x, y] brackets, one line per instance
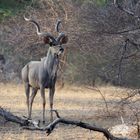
[72, 102]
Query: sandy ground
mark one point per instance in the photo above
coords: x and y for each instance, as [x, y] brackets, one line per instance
[78, 103]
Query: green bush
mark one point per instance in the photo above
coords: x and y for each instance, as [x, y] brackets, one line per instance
[11, 7]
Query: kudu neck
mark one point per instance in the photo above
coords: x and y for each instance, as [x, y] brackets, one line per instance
[51, 63]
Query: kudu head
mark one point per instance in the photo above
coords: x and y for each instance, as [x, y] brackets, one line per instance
[54, 42]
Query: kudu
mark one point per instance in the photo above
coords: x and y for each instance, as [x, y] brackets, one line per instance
[42, 74]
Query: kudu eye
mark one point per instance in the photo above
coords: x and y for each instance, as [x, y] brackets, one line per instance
[61, 49]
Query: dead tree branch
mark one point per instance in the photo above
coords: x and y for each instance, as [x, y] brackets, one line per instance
[27, 124]
[123, 56]
[131, 13]
[103, 97]
[116, 3]
[121, 61]
[8, 116]
[83, 125]
[125, 31]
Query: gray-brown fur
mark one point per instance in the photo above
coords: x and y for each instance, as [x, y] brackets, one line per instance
[42, 74]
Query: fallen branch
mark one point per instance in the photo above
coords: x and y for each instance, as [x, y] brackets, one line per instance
[83, 125]
[8, 116]
[30, 125]
[49, 128]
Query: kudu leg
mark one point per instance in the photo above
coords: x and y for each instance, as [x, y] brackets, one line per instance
[34, 92]
[51, 95]
[27, 91]
[42, 90]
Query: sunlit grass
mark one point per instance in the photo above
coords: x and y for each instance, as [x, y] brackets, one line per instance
[79, 103]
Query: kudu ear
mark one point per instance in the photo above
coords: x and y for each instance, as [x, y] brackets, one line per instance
[46, 40]
[64, 40]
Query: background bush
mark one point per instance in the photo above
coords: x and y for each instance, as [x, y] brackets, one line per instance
[94, 50]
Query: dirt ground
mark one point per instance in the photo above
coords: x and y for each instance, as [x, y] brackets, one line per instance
[77, 103]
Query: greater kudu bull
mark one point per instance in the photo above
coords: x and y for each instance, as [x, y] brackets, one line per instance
[42, 74]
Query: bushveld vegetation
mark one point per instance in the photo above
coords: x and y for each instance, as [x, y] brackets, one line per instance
[97, 49]
[103, 50]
